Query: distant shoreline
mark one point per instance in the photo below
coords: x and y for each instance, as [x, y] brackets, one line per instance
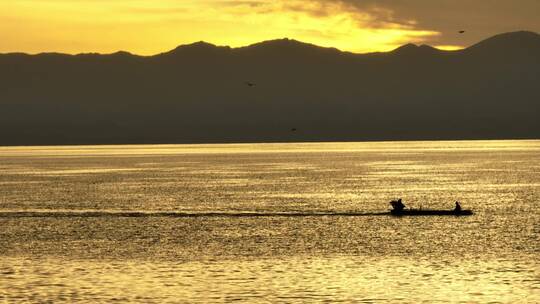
[263, 142]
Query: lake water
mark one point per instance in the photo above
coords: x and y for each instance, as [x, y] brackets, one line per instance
[205, 223]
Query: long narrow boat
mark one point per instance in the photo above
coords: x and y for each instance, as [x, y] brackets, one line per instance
[420, 212]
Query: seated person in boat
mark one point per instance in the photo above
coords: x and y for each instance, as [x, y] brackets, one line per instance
[458, 207]
[397, 205]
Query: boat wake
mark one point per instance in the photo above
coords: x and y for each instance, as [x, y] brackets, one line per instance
[135, 214]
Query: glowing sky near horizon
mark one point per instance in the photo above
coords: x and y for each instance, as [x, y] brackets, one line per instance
[150, 27]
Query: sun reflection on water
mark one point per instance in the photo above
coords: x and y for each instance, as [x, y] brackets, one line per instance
[489, 257]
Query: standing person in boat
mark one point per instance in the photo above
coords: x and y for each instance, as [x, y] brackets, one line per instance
[458, 207]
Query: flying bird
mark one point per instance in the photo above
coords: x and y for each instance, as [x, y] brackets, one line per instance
[249, 84]
[461, 32]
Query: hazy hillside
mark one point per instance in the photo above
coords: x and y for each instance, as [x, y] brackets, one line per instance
[198, 93]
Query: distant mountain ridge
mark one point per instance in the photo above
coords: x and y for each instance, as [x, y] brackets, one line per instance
[199, 93]
[512, 39]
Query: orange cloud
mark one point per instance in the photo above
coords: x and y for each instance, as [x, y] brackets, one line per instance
[149, 27]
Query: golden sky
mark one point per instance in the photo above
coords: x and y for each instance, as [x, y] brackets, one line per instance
[152, 26]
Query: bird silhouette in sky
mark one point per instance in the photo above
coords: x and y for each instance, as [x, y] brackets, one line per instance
[461, 32]
[249, 84]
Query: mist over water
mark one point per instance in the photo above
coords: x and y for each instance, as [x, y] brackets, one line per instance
[51, 253]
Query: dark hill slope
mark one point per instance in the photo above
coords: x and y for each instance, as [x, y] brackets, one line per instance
[198, 93]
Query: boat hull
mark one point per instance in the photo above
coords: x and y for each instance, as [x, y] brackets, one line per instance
[413, 212]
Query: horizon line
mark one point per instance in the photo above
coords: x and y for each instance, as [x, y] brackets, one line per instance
[258, 43]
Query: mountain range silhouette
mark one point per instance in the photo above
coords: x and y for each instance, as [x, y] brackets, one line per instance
[198, 93]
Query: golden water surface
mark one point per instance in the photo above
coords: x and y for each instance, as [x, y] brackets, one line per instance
[140, 246]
